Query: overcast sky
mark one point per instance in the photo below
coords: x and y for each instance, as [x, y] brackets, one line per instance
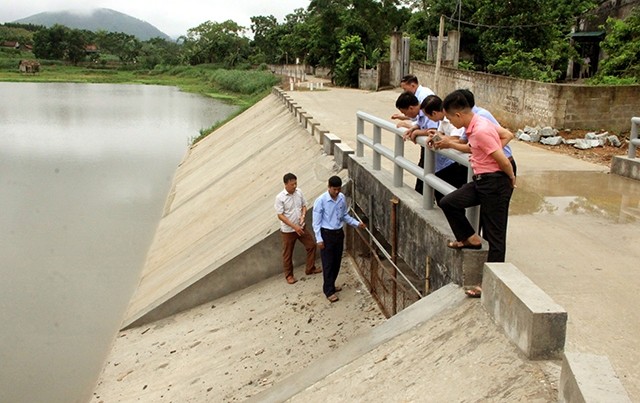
[173, 18]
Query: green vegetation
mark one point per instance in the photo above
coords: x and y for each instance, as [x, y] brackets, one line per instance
[622, 44]
[498, 36]
[348, 64]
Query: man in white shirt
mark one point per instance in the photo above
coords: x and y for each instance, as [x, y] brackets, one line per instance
[291, 208]
[409, 83]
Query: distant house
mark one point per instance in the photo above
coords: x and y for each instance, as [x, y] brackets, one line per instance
[29, 66]
[91, 49]
[10, 44]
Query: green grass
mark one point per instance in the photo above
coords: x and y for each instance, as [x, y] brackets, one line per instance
[238, 87]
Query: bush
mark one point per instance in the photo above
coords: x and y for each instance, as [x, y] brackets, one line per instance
[246, 82]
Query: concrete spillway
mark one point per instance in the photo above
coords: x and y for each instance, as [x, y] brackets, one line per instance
[221, 206]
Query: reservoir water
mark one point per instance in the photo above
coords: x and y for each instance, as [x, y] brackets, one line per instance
[84, 173]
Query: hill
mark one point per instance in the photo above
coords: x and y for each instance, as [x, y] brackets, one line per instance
[96, 20]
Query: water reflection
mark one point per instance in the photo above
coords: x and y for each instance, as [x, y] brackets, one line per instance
[84, 171]
[562, 193]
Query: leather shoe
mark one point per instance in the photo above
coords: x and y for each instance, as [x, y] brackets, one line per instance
[291, 280]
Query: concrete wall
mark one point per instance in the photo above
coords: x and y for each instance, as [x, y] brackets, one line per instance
[422, 233]
[368, 79]
[374, 79]
[516, 102]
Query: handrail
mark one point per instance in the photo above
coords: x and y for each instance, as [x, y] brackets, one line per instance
[634, 141]
[402, 164]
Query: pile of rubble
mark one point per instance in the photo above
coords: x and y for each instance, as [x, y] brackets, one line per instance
[549, 136]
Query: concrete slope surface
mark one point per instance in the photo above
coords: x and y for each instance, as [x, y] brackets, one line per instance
[458, 356]
[238, 345]
[222, 200]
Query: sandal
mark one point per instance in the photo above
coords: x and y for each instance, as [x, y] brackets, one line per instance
[333, 298]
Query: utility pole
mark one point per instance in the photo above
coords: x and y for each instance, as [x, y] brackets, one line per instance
[439, 54]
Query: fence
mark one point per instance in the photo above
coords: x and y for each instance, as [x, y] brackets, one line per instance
[402, 164]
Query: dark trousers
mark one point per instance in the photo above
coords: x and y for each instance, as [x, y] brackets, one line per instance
[493, 193]
[454, 174]
[288, 242]
[331, 258]
[515, 172]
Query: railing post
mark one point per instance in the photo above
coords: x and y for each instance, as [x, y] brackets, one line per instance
[397, 169]
[359, 130]
[377, 139]
[429, 168]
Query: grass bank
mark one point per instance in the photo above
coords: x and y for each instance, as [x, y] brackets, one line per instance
[239, 87]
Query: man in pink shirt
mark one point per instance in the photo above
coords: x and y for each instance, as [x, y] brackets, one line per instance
[491, 188]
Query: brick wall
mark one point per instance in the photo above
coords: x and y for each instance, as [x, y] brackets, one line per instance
[516, 103]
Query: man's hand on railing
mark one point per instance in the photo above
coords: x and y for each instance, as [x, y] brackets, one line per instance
[407, 124]
[414, 132]
[399, 116]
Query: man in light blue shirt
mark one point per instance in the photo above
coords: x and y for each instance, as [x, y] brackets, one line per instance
[329, 215]
[410, 106]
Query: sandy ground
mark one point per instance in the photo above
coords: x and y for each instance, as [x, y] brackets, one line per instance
[238, 345]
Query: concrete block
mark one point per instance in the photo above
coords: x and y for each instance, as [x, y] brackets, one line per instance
[589, 378]
[625, 166]
[529, 317]
[328, 142]
[341, 154]
[321, 134]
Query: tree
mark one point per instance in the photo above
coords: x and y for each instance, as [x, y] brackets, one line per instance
[160, 51]
[334, 20]
[50, 43]
[265, 39]
[505, 36]
[212, 42]
[622, 46]
[348, 64]
[76, 46]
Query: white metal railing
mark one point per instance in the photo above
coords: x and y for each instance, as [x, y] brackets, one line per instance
[401, 164]
[634, 141]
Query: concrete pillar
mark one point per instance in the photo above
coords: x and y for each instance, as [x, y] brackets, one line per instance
[395, 59]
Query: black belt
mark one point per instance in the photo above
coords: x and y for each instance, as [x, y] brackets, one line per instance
[333, 231]
[480, 177]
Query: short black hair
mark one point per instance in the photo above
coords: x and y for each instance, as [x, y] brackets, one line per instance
[469, 95]
[431, 104]
[409, 79]
[289, 177]
[406, 99]
[335, 182]
[455, 102]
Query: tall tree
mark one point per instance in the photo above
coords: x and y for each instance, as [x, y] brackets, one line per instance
[622, 46]
[334, 20]
[265, 39]
[212, 42]
[50, 43]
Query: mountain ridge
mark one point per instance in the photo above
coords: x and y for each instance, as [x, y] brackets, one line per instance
[95, 20]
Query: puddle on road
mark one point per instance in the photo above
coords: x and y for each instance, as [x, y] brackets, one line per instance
[578, 192]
